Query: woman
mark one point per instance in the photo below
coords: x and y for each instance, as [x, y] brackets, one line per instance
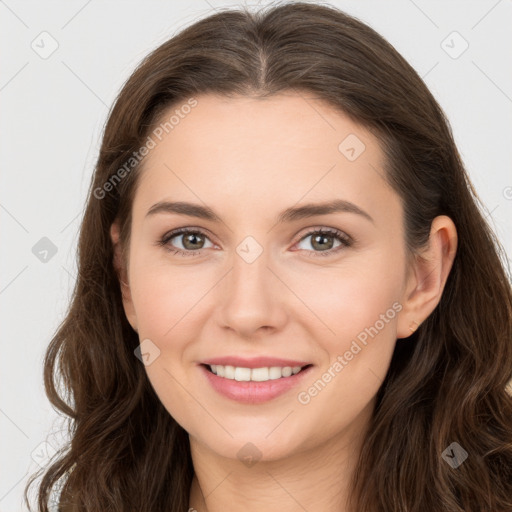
[218, 355]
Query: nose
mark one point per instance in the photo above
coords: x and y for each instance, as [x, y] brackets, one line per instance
[251, 298]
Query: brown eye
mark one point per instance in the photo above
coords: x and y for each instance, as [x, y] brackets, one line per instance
[323, 240]
[185, 241]
[192, 241]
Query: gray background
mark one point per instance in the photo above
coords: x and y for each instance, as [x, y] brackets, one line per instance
[53, 111]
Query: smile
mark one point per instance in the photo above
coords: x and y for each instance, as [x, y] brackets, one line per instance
[254, 374]
[253, 385]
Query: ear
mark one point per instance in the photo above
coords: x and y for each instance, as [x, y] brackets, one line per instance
[122, 274]
[427, 276]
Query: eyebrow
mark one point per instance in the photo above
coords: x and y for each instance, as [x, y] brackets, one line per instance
[288, 215]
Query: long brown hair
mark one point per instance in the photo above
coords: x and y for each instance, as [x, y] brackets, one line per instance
[446, 382]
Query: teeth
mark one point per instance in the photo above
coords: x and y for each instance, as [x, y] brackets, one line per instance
[254, 374]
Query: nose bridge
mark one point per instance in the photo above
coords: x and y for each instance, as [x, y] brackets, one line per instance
[248, 282]
[249, 297]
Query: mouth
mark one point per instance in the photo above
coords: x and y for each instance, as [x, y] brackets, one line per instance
[262, 374]
[253, 385]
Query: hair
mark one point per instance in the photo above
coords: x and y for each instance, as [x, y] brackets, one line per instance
[446, 382]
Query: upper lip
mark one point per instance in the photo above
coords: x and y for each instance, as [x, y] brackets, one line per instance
[254, 362]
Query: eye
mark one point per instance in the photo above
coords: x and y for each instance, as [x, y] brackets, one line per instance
[192, 241]
[323, 239]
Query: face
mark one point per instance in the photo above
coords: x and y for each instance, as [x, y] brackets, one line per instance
[319, 288]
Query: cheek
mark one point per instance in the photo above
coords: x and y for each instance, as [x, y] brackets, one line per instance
[358, 309]
[349, 299]
[165, 296]
[165, 301]
[357, 357]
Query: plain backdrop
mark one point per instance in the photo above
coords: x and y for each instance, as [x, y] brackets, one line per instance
[62, 65]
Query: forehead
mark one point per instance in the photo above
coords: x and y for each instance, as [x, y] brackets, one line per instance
[277, 150]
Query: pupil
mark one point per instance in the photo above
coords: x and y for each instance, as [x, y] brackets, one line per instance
[321, 239]
[188, 239]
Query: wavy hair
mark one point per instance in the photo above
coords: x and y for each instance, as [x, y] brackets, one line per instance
[446, 383]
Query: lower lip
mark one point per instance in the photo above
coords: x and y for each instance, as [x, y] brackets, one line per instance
[250, 392]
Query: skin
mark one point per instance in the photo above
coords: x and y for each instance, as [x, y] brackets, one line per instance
[249, 159]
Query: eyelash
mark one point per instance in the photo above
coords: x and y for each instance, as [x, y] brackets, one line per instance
[345, 240]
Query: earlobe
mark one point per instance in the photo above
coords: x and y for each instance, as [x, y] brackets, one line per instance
[122, 275]
[427, 278]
